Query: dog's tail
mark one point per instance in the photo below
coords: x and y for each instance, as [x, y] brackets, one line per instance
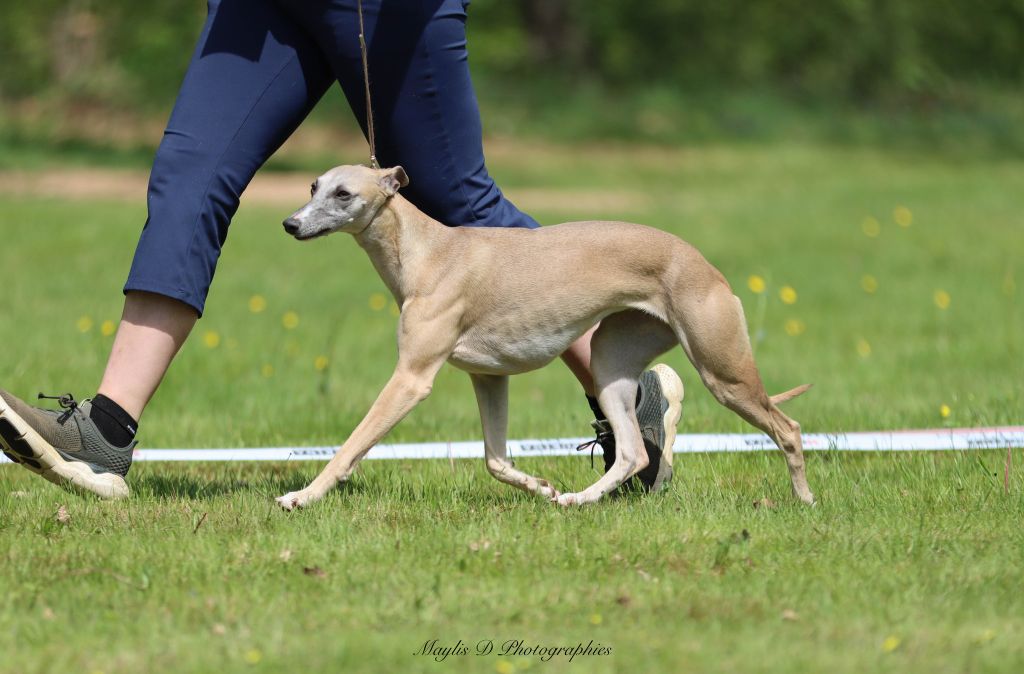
[780, 398]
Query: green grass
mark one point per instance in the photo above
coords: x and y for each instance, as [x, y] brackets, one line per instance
[922, 548]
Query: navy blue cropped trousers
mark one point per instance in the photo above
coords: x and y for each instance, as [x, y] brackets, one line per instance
[259, 68]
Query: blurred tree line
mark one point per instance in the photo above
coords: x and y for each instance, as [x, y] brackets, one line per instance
[937, 74]
[130, 52]
[846, 48]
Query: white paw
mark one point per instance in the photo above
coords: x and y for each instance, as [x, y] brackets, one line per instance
[548, 492]
[566, 500]
[546, 489]
[295, 499]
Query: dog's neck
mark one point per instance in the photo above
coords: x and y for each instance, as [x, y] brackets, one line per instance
[399, 240]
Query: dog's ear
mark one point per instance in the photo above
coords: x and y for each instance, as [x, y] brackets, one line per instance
[392, 179]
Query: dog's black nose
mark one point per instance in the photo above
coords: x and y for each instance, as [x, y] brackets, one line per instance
[291, 225]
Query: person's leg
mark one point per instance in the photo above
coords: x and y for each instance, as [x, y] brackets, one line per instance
[577, 358]
[153, 328]
[253, 77]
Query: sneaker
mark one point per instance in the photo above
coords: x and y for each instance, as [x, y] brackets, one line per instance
[64, 446]
[658, 412]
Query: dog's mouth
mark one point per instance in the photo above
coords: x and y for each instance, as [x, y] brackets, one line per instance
[306, 237]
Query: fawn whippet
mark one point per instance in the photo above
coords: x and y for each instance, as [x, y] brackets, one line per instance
[496, 302]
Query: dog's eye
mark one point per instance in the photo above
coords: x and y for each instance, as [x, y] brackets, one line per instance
[312, 189]
[342, 194]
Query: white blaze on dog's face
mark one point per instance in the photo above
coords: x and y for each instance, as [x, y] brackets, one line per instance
[345, 199]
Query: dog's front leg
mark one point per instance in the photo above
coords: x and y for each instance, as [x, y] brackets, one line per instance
[492, 397]
[402, 392]
[426, 336]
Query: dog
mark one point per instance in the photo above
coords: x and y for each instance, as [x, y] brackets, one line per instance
[501, 301]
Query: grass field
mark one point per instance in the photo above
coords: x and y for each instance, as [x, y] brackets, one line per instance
[891, 281]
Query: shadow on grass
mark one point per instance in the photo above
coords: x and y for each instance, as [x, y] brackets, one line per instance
[214, 480]
[402, 482]
[272, 481]
[392, 484]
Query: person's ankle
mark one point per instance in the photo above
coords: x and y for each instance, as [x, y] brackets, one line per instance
[116, 425]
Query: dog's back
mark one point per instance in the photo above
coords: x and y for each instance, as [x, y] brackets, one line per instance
[621, 265]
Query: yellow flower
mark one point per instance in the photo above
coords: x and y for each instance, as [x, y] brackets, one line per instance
[787, 295]
[985, 636]
[595, 619]
[253, 656]
[944, 411]
[211, 338]
[941, 299]
[863, 348]
[1009, 285]
[290, 320]
[890, 644]
[84, 324]
[107, 328]
[321, 363]
[504, 667]
[378, 301]
[394, 310]
[267, 370]
[257, 303]
[871, 227]
[869, 283]
[756, 284]
[795, 327]
[903, 216]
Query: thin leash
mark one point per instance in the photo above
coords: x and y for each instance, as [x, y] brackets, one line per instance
[366, 86]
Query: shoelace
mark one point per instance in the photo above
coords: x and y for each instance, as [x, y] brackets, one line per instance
[592, 444]
[67, 403]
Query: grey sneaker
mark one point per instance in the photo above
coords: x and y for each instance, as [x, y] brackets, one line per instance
[64, 446]
[658, 412]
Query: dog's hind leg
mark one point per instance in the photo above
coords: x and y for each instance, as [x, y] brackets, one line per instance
[713, 331]
[492, 398]
[621, 348]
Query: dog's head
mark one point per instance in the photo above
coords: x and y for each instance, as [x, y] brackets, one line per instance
[345, 199]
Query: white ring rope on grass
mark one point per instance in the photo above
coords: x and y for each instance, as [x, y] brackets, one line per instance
[1000, 437]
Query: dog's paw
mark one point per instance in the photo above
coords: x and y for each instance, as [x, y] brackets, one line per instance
[546, 489]
[549, 493]
[568, 500]
[295, 499]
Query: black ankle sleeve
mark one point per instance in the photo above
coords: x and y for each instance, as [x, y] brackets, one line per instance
[117, 426]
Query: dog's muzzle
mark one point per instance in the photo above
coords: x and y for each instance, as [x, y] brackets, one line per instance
[291, 225]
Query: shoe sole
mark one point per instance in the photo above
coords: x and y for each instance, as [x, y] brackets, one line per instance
[23, 445]
[672, 390]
